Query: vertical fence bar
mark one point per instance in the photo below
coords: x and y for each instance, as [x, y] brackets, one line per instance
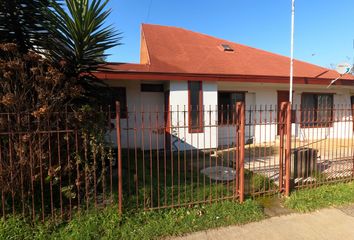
[171, 154]
[31, 168]
[77, 159]
[352, 145]
[41, 169]
[50, 172]
[110, 155]
[241, 146]
[11, 164]
[60, 169]
[68, 160]
[158, 155]
[149, 127]
[136, 178]
[204, 155]
[86, 168]
[288, 150]
[237, 147]
[142, 118]
[126, 113]
[165, 135]
[119, 156]
[22, 162]
[281, 122]
[2, 182]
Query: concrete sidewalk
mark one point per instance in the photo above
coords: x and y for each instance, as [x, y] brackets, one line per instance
[333, 223]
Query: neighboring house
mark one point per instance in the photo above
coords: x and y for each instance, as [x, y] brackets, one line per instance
[187, 70]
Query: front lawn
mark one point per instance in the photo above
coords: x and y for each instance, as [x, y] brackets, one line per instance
[108, 224]
[324, 196]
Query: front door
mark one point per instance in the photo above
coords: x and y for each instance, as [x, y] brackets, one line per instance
[153, 119]
[283, 96]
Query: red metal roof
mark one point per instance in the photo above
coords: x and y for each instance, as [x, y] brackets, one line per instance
[177, 50]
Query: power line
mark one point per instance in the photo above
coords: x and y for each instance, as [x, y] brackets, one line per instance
[148, 12]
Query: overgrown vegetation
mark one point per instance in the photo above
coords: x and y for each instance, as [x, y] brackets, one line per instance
[52, 146]
[324, 196]
[108, 224]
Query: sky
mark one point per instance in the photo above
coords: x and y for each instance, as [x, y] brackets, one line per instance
[324, 29]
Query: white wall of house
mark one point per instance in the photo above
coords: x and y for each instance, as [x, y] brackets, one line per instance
[257, 96]
[144, 127]
[343, 125]
[261, 126]
[179, 116]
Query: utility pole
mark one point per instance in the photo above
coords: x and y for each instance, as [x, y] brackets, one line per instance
[292, 50]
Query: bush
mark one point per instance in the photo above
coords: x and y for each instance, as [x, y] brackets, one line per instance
[43, 144]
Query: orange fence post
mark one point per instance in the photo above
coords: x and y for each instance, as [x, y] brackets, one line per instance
[288, 150]
[119, 157]
[242, 153]
[240, 106]
[237, 148]
[281, 122]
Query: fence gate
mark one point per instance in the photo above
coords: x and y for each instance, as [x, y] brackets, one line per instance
[263, 160]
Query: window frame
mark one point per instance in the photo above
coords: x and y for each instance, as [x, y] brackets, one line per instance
[200, 127]
[304, 124]
[232, 118]
[152, 87]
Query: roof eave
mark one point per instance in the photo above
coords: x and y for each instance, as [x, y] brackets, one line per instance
[167, 76]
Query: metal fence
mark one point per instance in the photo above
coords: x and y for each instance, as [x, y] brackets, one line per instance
[162, 157]
[167, 163]
[51, 168]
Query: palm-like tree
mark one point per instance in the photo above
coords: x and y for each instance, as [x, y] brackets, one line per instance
[22, 22]
[79, 38]
[73, 34]
[78, 35]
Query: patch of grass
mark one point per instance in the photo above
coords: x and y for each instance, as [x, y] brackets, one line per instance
[321, 197]
[108, 224]
[183, 194]
[257, 184]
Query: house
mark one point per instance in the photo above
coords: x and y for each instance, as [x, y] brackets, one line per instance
[183, 72]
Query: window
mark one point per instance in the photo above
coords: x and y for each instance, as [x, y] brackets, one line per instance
[151, 87]
[226, 106]
[316, 110]
[226, 48]
[118, 94]
[195, 106]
